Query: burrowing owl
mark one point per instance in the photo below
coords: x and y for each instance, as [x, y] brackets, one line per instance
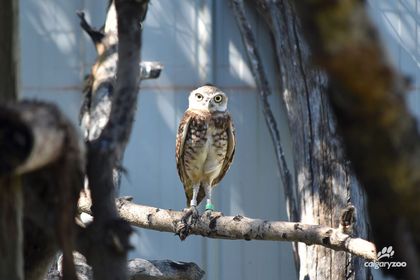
[205, 144]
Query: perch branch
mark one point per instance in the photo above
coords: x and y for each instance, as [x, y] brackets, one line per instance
[238, 227]
[264, 90]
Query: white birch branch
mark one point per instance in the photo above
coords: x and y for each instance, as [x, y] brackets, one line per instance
[218, 226]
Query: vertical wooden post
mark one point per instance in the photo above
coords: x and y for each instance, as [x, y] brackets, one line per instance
[11, 232]
[11, 204]
[9, 35]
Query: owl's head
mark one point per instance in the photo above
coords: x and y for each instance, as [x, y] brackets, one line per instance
[208, 98]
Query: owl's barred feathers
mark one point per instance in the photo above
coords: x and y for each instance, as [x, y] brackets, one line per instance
[205, 144]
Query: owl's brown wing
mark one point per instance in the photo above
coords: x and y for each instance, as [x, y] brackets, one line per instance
[230, 129]
[180, 142]
[179, 155]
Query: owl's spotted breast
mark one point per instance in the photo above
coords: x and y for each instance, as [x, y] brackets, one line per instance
[204, 149]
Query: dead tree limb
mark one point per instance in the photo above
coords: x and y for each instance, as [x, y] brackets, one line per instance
[148, 69]
[258, 71]
[237, 227]
[110, 115]
[264, 91]
[381, 136]
[261, 80]
[138, 269]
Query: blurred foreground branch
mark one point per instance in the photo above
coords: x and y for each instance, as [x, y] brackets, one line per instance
[381, 136]
[41, 145]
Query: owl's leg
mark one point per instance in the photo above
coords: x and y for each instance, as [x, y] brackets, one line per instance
[209, 205]
[193, 202]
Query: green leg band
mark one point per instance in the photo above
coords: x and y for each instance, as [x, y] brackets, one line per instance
[210, 207]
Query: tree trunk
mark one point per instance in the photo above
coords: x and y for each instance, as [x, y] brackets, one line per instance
[107, 117]
[324, 183]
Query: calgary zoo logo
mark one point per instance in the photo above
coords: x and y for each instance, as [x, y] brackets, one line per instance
[385, 253]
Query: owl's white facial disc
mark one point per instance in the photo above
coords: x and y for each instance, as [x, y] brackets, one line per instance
[208, 98]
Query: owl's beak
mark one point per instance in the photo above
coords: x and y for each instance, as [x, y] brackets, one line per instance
[210, 105]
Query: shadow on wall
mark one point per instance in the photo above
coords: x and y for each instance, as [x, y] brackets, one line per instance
[55, 55]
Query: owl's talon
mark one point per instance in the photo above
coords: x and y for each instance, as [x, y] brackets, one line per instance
[182, 230]
[191, 216]
[194, 215]
[189, 219]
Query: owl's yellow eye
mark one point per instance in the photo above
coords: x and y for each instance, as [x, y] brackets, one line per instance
[218, 98]
[199, 96]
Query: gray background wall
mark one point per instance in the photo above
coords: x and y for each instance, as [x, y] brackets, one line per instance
[198, 42]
